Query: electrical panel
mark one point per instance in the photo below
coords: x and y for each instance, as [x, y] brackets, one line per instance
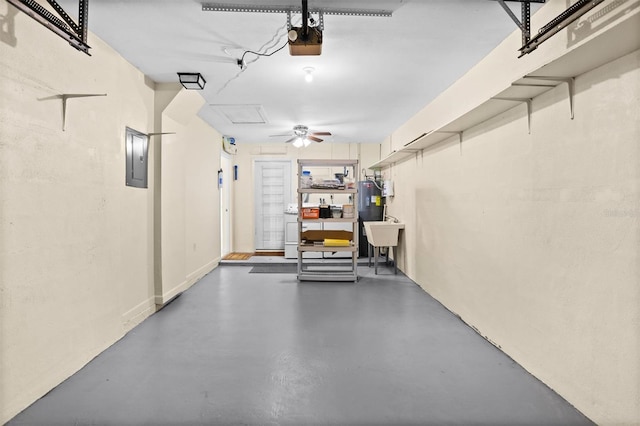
[137, 149]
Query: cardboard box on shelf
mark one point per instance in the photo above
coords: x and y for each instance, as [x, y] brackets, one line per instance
[320, 235]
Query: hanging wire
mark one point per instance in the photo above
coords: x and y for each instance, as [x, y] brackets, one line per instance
[275, 40]
[262, 54]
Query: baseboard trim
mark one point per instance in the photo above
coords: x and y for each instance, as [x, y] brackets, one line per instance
[191, 279]
[138, 314]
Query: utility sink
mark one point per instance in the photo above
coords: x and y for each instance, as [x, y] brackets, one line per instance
[383, 234]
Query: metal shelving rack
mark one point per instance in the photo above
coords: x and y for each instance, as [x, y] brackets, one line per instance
[317, 272]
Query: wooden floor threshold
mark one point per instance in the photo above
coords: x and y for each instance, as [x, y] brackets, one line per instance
[268, 253]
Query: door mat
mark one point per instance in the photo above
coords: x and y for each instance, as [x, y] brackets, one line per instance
[238, 256]
[292, 268]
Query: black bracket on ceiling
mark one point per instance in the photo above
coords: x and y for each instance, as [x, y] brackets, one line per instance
[525, 23]
[226, 7]
[529, 43]
[67, 28]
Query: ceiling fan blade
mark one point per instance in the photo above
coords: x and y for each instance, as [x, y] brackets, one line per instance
[321, 133]
[291, 140]
[313, 138]
[279, 136]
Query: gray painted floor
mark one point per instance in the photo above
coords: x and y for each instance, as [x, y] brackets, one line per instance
[265, 349]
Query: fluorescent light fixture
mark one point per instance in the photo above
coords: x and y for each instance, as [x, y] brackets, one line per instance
[192, 80]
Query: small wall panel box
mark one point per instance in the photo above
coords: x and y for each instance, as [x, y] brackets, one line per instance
[229, 145]
[137, 149]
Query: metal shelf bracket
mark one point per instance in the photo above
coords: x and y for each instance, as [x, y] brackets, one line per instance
[529, 102]
[453, 133]
[67, 96]
[570, 85]
[65, 26]
[525, 23]
[529, 43]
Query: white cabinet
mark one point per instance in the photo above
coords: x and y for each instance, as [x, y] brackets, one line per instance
[316, 244]
[291, 234]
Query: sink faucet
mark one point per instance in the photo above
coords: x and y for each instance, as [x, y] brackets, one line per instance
[394, 219]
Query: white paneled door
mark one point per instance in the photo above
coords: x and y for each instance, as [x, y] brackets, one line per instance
[272, 189]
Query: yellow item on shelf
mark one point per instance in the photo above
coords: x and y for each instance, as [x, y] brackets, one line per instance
[332, 242]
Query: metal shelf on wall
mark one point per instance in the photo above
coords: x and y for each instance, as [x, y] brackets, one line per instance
[523, 90]
[604, 48]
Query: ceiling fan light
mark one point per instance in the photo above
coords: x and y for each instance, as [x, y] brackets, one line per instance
[306, 142]
[308, 74]
[298, 142]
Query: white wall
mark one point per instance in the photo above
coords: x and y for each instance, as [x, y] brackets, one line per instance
[189, 236]
[533, 239]
[243, 204]
[77, 246]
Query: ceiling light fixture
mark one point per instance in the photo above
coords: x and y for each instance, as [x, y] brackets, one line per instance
[192, 80]
[308, 74]
[298, 142]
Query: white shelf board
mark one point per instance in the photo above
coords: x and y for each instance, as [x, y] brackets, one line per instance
[335, 276]
[303, 248]
[330, 220]
[326, 191]
[606, 47]
[328, 163]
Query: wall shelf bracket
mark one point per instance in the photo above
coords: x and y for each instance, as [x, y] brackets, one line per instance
[570, 85]
[528, 101]
[68, 96]
[453, 133]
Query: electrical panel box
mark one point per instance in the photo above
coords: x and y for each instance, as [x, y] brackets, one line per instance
[137, 149]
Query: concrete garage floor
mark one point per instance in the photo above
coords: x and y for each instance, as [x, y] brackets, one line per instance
[265, 349]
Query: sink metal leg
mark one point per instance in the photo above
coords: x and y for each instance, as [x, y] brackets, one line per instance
[376, 253]
[369, 253]
[395, 260]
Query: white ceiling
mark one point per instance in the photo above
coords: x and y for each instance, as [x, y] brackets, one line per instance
[373, 75]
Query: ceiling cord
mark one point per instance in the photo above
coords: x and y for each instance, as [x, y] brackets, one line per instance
[277, 37]
[241, 60]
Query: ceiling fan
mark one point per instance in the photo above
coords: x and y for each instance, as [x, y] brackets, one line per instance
[302, 136]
